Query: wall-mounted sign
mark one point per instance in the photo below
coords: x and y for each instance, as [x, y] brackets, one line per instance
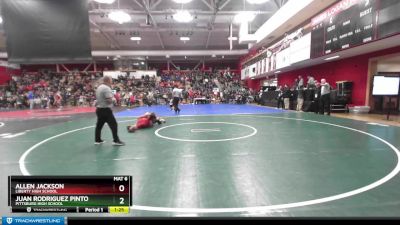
[9, 65]
[351, 23]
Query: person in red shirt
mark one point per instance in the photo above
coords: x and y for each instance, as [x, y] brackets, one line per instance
[145, 121]
[58, 100]
[117, 97]
[132, 100]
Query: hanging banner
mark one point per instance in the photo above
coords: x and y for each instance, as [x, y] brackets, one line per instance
[9, 65]
[139, 73]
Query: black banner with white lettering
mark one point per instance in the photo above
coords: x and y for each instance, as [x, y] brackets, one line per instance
[347, 24]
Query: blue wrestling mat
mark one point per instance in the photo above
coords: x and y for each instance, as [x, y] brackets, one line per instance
[207, 109]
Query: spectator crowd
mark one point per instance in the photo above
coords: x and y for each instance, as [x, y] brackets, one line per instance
[56, 90]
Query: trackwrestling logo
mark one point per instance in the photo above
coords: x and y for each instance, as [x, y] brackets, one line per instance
[33, 220]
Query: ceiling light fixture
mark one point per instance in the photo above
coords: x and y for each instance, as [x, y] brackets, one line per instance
[167, 56]
[105, 1]
[136, 38]
[213, 56]
[185, 38]
[183, 16]
[257, 1]
[119, 17]
[232, 38]
[182, 1]
[1, 19]
[331, 58]
[244, 17]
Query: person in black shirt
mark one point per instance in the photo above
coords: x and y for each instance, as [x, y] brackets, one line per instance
[279, 97]
[317, 98]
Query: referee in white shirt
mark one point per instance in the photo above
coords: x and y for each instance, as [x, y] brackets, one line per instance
[104, 113]
[177, 95]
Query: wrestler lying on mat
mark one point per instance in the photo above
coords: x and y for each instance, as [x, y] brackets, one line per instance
[145, 121]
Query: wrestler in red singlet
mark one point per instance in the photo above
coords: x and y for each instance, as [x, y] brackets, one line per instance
[145, 121]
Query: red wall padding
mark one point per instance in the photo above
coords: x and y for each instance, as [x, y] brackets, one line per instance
[254, 84]
[354, 69]
[5, 74]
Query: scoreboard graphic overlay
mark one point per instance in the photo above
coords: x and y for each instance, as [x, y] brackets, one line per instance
[70, 194]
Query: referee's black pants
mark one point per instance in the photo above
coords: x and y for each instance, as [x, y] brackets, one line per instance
[105, 115]
[325, 104]
[175, 103]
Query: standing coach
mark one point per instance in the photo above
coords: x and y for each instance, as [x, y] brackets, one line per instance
[104, 113]
[325, 105]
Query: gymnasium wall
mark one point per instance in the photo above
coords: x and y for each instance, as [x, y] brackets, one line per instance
[385, 21]
[351, 69]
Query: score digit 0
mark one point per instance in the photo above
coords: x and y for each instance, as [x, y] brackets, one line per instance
[121, 188]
